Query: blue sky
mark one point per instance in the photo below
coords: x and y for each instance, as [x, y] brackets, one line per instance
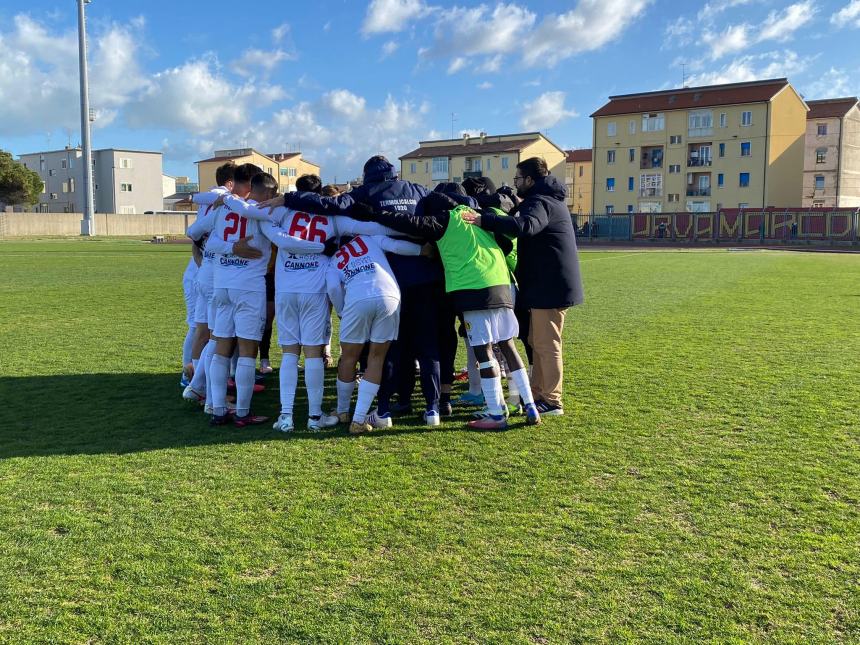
[344, 80]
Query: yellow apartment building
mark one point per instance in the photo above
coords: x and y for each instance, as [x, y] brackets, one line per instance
[577, 181]
[831, 173]
[495, 157]
[286, 167]
[699, 149]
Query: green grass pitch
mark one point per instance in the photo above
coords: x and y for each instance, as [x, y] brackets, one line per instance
[703, 486]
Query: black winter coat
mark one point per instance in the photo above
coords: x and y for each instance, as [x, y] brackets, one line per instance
[547, 260]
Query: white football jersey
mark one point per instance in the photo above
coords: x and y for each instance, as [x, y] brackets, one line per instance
[231, 271]
[302, 272]
[361, 268]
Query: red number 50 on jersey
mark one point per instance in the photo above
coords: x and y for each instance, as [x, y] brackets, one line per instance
[356, 249]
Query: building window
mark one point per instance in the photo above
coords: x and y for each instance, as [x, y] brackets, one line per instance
[631, 183]
[53, 195]
[724, 120]
[610, 184]
[610, 209]
[283, 172]
[504, 163]
[126, 210]
[822, 129]
[44, 188]
[65, 186]
[610, 129]
[819, 182]
[292, 172]
[413, 167]
[631, 155]
[440, 167]
[653, 122]
[744, 179]
[743, 205]
[610, 156]
[720, 180]
[125, 188]
[722, 149]
[674, 198]
[700, 122]
[42, 165]
[674, 168]
[581, 168]
[125, 162]
[426, 166]
[675, 139]
[746, 119]
[818, 203]
[651, 185]
[488, 165]
[821, 155]
[52, 172]
[629, 208]
[63, 164]
[746, 148]
[631, 127]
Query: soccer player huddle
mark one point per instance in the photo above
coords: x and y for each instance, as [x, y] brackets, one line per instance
[399, 265]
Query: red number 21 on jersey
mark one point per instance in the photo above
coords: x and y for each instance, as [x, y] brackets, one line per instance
[236, 223]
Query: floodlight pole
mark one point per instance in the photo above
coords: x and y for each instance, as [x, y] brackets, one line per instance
[87, 224]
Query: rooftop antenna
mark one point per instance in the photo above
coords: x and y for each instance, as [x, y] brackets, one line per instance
[683, 75]
[453, 118]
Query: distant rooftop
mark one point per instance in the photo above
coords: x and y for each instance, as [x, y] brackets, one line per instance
[486, 144]
[579, 156]
[830, 108]
[693, 97]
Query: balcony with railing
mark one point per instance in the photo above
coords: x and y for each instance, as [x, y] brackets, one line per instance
[651, 157]
[698, 184]
[699, 155]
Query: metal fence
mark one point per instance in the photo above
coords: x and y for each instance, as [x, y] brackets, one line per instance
[831, 226]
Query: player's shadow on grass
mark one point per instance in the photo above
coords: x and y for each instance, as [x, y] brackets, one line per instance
[124, 413]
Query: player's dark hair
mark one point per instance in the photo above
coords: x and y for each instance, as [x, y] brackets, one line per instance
[533, 167]
[224, 173]
[309, 184]
[330, 190]
[245, 172]
[263, 182]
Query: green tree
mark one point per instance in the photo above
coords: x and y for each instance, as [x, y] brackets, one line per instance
[18, 184]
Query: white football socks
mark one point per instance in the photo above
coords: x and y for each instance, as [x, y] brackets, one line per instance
[366, 393]
[289, 381]
[474, 372]
[344, 395]
[246, 369]
[187, 346]
[207, 368]
[315, 383]
[520, 380]
[219, 368]
[200, 380]
[492, 389]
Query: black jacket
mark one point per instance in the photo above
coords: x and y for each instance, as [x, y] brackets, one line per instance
[547, 259]
[384, 191]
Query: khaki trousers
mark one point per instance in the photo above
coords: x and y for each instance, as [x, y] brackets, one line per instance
[545, 339]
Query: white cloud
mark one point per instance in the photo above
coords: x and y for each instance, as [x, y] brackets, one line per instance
[456, 64]
[753, 67]
[545, 111]
[780, 26]
[589, 26]
[265, 59]
[344, 103]
[847, 16]
[478, 30]
[197, 98]
[486, 85]
[389, 48]
[392, 15]
[716, 7]
[280, 32]
[833, 83]
[735, 38]
[39, 88]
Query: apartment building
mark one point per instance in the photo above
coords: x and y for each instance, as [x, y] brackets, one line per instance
[699, 149]
[578, 179]
[286, 167]
[494, 156]
[831, 167]
[124, 181]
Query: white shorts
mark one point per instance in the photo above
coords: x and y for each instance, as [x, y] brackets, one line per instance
[204, 307]
[189, 290]
[374, 319]
[486, 326]
[303, 318]
[239, 313]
